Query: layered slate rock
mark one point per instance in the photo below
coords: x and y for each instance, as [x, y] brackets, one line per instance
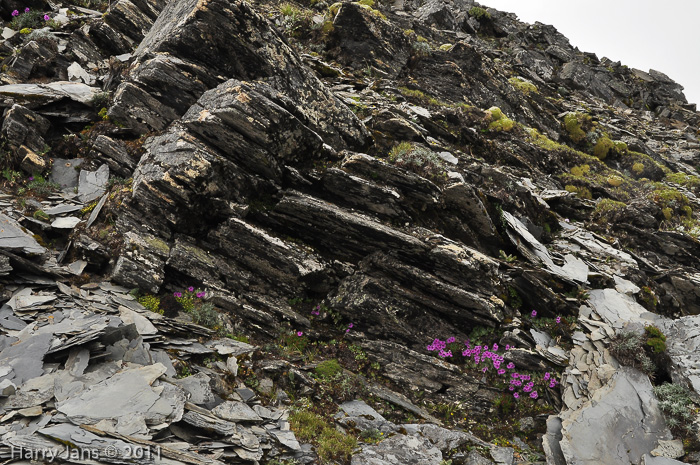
[623, 431]
[181, 57]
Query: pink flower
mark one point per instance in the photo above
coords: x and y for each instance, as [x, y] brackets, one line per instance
[350, 325]
[516, 395]
[547, 376]
[347, 330]
[15, 13]
[476, 359]
[495, 347]
[533, 394]
[300, 333]
[201, 294]
[510, 366]
[558, 320]
[511, 388]
[552, 384]
[189, 289]
[26, 10]
[484, 369]
[507, 346]
[466, 353]
[533, 314]
[177, 294]
[47, 17]
[515, 375]
[450, 340]
[501, 371]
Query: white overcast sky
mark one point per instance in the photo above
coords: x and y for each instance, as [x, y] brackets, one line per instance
[642, 34]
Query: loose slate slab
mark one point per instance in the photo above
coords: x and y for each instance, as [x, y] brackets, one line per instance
[62, 208]
[33, 95]
[12, 237]
[612, 429]
[617, 309]
[25, 358]
[127, 392]
[67, 222]
[64, 173]
[96, 448]
[235, 411]
[93, 184]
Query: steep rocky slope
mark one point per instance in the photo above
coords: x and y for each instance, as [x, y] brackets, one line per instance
[353, 232]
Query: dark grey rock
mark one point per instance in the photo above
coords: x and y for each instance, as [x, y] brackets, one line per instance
[22, 126]
[179, 38]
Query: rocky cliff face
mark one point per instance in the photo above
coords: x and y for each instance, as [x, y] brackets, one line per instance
[419, 232]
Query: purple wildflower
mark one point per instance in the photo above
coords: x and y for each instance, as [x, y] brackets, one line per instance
[501, 371]
[558, 320]
[533, 394]
[47, 17]
[507, 346]
[177, 294]
[15, 13]
[350, 325]
[484, 369]
[26, 10]
[201, 294]
[30, 178]
[533, 314]
[300, 333]
[547, 376]
[450, 340]
[510, 366]
[511, 388]
[347, 330]
[516, 395]
[190, 289]
[495, 347]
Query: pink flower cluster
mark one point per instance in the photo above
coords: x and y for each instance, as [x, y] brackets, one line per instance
[489, 356]
[317, 310]
[190, 290]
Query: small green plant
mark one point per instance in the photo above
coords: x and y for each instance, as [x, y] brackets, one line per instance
[655, 339]
[40, 215]
[506, 257]
[335, 446]
[479, 13]
[523, 86]
[11, 175]
[678, 407]
[151, 303]
[499, 121]
[28, 20]
[418, 159]
[602, 147]
[328, 368]
[371, 436]
[573, 125]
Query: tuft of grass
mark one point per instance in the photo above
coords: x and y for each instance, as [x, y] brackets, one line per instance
[418, 159]
[328, 368]
[335, 446]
